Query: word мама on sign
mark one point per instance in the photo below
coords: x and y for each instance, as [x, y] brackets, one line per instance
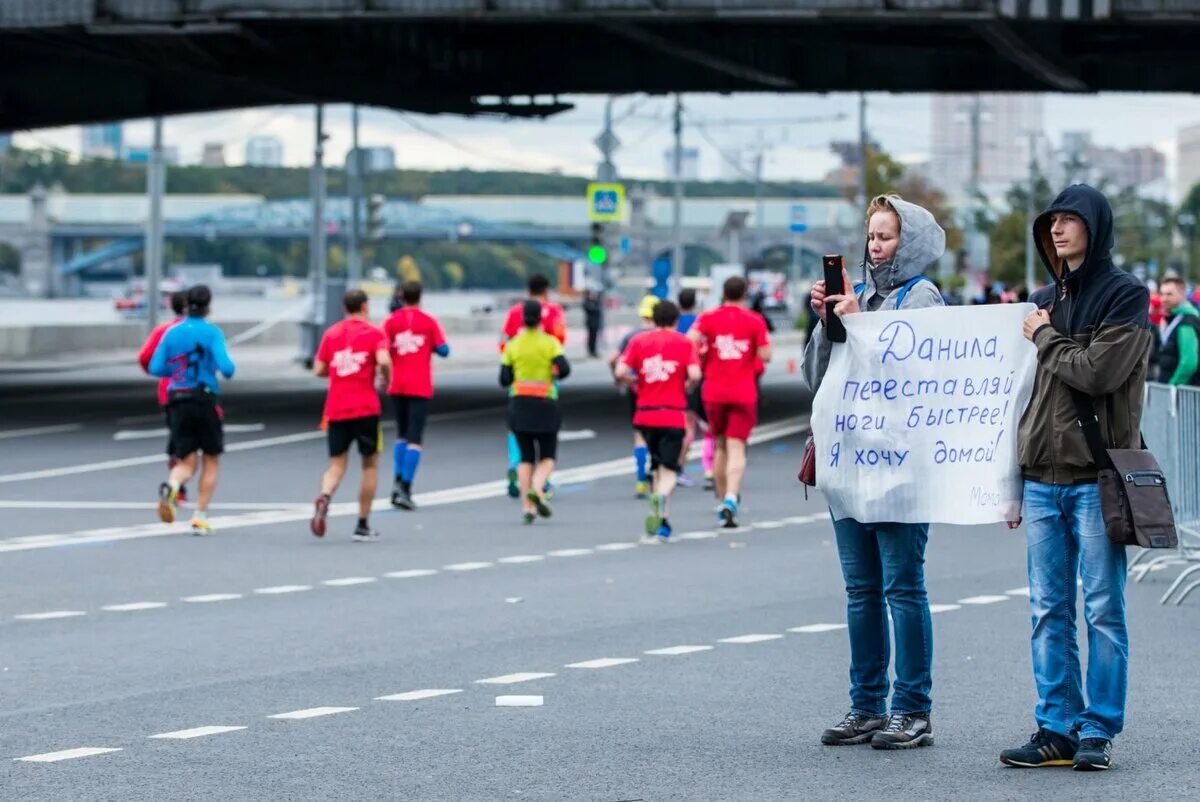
[916, 419]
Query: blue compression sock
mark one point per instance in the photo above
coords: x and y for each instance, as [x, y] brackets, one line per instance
[398, 451]
[639, 457]
[412, 458]
[514, 452]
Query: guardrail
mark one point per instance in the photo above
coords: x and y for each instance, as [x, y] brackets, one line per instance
[1171, 426]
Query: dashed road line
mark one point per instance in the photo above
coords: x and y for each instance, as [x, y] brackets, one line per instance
[68, 754]
[756, 638]
[50, 615]
[570, 552]
[347, 581]
[603, 662]
[672, 651]
[207, 598]
[817, 628]
[194, 732]
[312, 712]
[1018, 592]
[132, 607]
[619, 546]
[411, 573]
[276, 590]
[943, 608]
[475, 566]
[983, 599]
[520, 559]
[512, 679]
[416, 696]
[33, 431]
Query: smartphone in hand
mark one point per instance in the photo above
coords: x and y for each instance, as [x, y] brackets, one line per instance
[834, 330]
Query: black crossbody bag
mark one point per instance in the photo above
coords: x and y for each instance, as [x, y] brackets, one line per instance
[1133, 490]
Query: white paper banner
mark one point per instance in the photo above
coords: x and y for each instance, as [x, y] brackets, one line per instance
[916, 419]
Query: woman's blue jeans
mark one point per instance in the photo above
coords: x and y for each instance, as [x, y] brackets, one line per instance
[885, 562]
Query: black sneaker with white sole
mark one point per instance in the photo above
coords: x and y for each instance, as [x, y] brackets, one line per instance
[855, 728]
[1045, 749]
[904, 731]
[363, 533]
[1094, 754]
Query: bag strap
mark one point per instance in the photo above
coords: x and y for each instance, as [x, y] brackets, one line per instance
[908, 285]
[1089, 422]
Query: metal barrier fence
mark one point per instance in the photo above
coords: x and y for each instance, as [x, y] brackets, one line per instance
[1171, 426]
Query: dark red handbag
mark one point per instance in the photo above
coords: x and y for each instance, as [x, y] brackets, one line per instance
[808, 465]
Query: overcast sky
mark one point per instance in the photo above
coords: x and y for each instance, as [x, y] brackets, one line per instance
[794, 129]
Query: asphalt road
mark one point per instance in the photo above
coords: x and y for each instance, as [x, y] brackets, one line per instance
[701, 670]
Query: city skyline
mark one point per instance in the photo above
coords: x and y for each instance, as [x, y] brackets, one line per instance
[801, 128]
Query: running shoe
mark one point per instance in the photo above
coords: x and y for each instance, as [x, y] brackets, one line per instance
[201, 527]
[527, 518]
[320, 511]
[364, 534]
[513, 490]
[664, 532]
[728, 514]
[1045, 748]
[543, 509]
[855, 728]
[641, 489]
[710, 484]
[685, 480]
[166, 503]
[904, 731]
[402, 496]
[181, 497]
[655, 518]
[1095, 754]
[548, 490]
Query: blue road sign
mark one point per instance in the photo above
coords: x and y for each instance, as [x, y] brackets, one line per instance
[798, 220]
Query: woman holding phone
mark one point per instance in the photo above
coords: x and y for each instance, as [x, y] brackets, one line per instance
[883, 564]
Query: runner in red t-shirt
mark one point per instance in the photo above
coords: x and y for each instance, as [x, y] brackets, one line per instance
[554, 323]
[734, 341]
[351, 353]
[178, 306]
[413, 337]
[665, 366]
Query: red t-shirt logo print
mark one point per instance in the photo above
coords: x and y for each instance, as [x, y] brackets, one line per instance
[347, 362]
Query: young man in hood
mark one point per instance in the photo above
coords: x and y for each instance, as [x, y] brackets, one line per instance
[1179, 357]
[1092, 333]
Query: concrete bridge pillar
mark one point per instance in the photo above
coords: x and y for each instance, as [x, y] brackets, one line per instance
[37, 270]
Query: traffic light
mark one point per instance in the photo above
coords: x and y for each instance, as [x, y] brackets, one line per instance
[597, 251]
[375, 205]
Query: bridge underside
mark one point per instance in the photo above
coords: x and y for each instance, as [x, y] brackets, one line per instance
[80, 67]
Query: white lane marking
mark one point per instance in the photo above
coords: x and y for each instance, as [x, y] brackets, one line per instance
[520, 701]
[571, 436]
[312, 712]
[132, 607]
[467, 566]
[602, 662]
[50, 615]
[570, 552]
[519, 559]
[510, 679]
[211, 597]
[415, 696]
[411, 573]
[68, 754]
[276, 590]
[194, 732]
[1017, 592]
[806, 519]
[768, 525]
[982, 599]
[944, 608]
[616, 546]
[749, 638]
[149, 434]
[347, 581]
[671, 651]
[8, 434]
[817, 628]
[142, 505]
[700, 534]
[296, 513]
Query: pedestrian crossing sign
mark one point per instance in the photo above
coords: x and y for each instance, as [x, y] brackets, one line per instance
[606, 202]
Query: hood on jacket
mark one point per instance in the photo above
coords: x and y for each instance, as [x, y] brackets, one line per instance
[1092, 207]
[922, 243]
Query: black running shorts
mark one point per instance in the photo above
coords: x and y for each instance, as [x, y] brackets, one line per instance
[364, 431]
[411, 414]
[665, 445]
[536, 446]
[194, 423]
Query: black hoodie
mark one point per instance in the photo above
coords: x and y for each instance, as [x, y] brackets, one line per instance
[1098, 342]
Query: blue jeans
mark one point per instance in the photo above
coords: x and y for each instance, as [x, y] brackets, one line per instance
[1065, 532]
[886, 561]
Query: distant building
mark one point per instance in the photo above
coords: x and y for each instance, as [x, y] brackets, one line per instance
[140, 154]
[375, 159]
[1187, 169]
[214, 155]
[264, 151]
[103, 141]
[689, 164]
[1005, 122]
[1083, 160]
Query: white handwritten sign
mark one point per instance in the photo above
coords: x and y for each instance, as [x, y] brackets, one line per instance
[916, 418]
